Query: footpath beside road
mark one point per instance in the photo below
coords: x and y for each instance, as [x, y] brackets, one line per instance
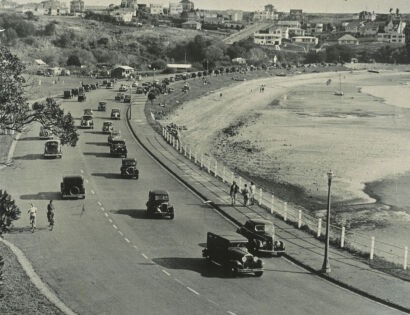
[302, 248]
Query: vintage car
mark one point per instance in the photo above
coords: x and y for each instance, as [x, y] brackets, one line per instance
[118, 148]
[93, 86]
[72, 187]
[102, 106]
[81, 97]
[119, 97]
[87, 122]
[114, 135]
[158, 204]
[110, 85]
[107, 127]
[261, 237]
[74, 92]
[88, 112]
[68, 94]
[231, 252]
[134, 84]
[123, 88]
[115, 113]
[140, 90]
[52, 149]
[45, 133]
[127, 99]
[129, 168]
[87, 87]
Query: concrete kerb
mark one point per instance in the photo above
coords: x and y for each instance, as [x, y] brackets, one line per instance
[35, 279]
[290, 258]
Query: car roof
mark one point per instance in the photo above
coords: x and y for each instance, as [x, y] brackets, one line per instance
[129, 160]
[115, 110]
[88, 116]
[260, 221]
[159, 192]
[232, 237]
[107, 122]
[73, 177]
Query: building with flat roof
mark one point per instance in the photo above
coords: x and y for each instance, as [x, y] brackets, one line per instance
[267, 39]
[76, 6]
[175, 8]
[156, 8]
[305, 40]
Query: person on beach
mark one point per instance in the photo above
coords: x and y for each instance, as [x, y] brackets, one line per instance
[234, 190]
[252, 189]
[245, 193]
[50, 214]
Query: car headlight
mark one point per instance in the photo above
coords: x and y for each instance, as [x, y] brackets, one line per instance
[255, 259]
[244, 259]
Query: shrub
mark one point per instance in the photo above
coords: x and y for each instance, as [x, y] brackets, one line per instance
[73, 60]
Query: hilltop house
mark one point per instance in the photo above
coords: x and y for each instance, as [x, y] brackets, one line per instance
[156, 9]
[267, 39]
[193, 25]
[348, 40]
[311, 40]
[393, 33]
[175, 8]
[122, 72]
[354, 27]
[367, 16]
[369, 29]
[76, 6]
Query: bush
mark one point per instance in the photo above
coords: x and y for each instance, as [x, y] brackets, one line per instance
[73, 60]
[50, 29]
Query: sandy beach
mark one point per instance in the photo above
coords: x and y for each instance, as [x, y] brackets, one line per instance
[290, 135]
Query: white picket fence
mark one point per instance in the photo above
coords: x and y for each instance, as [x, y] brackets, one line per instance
[293, 213]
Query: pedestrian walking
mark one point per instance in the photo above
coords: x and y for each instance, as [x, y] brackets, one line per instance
[252, 189]
[245, 193]
[33, 212]
[233, 192]
[50, 215]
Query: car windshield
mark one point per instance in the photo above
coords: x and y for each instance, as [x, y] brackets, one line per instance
[129, 163]
[115, 133]
[107, 123]
[115, 111]
[238, 244]
[78, 181]
[87, 118]
[161, 197]
[118, 142]
[264, 228]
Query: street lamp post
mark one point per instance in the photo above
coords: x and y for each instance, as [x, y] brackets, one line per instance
[326, 264]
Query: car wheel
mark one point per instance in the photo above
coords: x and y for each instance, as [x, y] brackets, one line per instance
[259, 273]
[171, 216]
[74, 190]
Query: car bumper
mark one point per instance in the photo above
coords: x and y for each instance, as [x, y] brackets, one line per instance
[77, 196]
[46, 155]
[248, 270]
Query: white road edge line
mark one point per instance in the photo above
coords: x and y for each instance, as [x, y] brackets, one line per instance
[126, 239]
[192, 290]
[145, 256]
[114, 226]
[166, 272]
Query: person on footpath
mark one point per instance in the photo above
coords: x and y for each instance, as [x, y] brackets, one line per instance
[252, 193]
[233, 192]
[50, 215]
[33, 212]
[245, 193]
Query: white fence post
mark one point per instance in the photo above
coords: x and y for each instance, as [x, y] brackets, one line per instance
[372, 248]
[223, 174]
[209, 165]
[216, 168]
[342, 237]
[299, 219]
[260, 196]
[272, 200]
[285, 211]
[177, 146]
[232, 177]
[190, 153]
[240, 183]
[173, 141]
[406, 252]
[163, 131]
[202, 160]
[195, 156]
[185, 150]
[319, 227]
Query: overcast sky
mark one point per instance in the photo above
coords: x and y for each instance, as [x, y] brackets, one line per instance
[332, 6]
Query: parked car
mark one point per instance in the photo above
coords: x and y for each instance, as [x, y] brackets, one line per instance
[123, 88]
[158, 204]
[102, 106]
[107, 127]
[127, 99]
[82, 97]
[72, 187]
[231, 252]
[129, 168]
[115, 114]
[119, 97]
[110, 85]
[68, 94]
[261, 237]
[45, 133]
[52, 148]
[114, 135]
[140, 90]
[118, 148]
[93, 86]
[88, 112]
[86, 87]
[134, 84]
[74, 92]
[87, 122]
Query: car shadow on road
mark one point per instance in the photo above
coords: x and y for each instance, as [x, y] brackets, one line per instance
[45, 195]
[98, 154]
[29, 138]
[94, 132]
[108, 175]
[199, 265]
[134, 213]
[102, 144]
[29, 157]
[25, 229]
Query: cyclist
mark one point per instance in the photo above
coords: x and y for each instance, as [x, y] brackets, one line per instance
[50, 214]
[33, 212]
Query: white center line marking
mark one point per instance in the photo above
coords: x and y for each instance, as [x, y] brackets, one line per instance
[82, 172]
[213, 302]
[114, 226]
[192, 290]
[166, 272]
[109, 220]
[106, 215]
[135, 247]
[119, 232]
[99, 203]
[145, 256]
[232, 313]
[179, 281]
[126, 239]
[102, 209]
[92, 191]
[86, 180]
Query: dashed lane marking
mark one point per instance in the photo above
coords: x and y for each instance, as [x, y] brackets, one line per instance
[82, 172]
[213, 302]
[99, 203]
[119, 232]
[166, 272]
[126, 239]
[145, 256]
[232, 313]
[179, 281]
[135, 247]
[93, 192]
[106, 214]
[86, 180]
[109, 220]
[102, 209]
[192, 290]
[114, 226]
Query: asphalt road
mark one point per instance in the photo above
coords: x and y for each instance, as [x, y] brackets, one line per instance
[105, 257]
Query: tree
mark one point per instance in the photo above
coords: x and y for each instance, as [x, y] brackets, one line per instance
[15, 112]
[9, 211]
[73, 60]
[29, 15]
[11, 34]
[50, 29]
